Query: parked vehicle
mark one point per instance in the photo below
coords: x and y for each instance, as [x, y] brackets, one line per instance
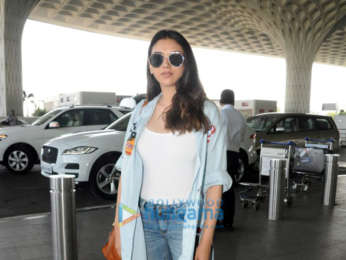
[20, 146]
[340, 121]
[293, 127]
[248, 154]
[91, 156]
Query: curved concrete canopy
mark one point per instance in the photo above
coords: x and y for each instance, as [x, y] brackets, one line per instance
[302, 31]
[268, 27]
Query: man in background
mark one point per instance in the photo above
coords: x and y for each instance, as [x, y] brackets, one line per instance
[234, 122]
[11, 118]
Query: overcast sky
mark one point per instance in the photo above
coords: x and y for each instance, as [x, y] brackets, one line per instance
[63, 60]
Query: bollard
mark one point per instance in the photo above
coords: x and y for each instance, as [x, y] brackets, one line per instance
[330, 179]
[63, 216]
[276, 188]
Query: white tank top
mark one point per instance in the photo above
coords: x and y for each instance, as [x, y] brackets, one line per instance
[169, 165]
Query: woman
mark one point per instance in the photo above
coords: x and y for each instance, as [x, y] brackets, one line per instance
[173, 163]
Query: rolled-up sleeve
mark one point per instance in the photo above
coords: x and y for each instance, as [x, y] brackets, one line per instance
[216, 160]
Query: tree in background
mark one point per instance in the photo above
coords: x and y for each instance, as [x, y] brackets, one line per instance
[27, 96]
[342, 112]
[331, 114]
[39, 112]
[28, 101]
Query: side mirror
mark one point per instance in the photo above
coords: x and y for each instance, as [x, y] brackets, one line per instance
[54, 124]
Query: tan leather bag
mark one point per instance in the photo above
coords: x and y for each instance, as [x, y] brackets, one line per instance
[109, 250]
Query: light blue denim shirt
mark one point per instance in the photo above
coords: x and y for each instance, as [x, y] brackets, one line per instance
[210, 170]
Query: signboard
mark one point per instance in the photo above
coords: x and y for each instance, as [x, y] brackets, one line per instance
[329, 106]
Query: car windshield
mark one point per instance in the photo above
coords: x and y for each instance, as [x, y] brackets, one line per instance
[120, 124]
[43, 119]
[260, 124]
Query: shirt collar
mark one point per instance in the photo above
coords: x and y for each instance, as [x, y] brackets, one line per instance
[227, 106]
[147, 110]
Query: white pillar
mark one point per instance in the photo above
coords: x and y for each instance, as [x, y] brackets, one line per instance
[298, 80]
[13, 14]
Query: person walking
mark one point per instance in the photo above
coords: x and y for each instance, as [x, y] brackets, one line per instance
[173, 164]
[234, 123]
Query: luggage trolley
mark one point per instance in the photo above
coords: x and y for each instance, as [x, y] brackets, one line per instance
[269, 150]
[309, 162]
[326, 144]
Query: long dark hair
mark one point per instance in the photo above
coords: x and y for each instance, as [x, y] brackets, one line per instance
[186, 113]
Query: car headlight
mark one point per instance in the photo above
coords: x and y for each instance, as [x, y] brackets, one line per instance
[3, 136]
[80, 150]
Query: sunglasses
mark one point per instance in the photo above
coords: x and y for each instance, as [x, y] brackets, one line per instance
[176, 59]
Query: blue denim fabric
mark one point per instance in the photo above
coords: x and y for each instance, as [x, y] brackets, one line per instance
[210, 171]
[163, 229]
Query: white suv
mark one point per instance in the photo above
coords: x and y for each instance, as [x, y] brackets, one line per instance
[90, 156]
[20, 145]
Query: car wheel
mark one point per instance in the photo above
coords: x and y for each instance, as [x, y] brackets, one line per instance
[242, 168]
[102, 181]
[19, 159]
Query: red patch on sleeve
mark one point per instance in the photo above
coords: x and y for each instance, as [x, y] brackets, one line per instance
[211, 131]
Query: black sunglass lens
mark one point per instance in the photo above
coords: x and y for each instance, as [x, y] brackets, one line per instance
[156, 60]
[176, 59]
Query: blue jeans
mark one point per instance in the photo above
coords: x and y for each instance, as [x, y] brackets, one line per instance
[163, 229]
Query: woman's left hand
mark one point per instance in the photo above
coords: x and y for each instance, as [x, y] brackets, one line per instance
[203, 252]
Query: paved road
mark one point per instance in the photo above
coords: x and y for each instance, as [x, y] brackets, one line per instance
[29, 193]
